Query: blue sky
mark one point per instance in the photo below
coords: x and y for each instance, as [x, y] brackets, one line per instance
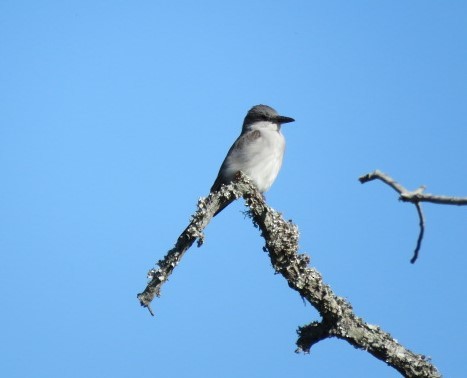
[115, 118]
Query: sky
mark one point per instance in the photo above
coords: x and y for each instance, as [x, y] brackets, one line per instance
[116, 116]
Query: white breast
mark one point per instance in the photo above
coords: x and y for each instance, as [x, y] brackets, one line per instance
[261, 159]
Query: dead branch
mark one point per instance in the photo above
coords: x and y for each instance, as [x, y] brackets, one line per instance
[207, 207]
[338, 318]
[414, 197]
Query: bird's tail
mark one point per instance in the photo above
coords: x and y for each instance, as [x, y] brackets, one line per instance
[216, 187]
[223, 206]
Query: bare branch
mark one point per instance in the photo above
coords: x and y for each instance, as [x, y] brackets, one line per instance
[281, 237]
[414, 197]
[383, 177]
[420, 235]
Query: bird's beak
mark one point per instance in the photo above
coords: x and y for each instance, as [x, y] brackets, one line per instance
[283, 119]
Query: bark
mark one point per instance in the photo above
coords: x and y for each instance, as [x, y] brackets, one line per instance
[281, 237]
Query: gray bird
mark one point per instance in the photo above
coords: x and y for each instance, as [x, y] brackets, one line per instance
[257, 152]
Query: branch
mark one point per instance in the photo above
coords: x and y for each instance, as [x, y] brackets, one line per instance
[414, 197]
[207, 207]
[338, 319]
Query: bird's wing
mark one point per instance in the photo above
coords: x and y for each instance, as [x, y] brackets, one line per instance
[242, 142]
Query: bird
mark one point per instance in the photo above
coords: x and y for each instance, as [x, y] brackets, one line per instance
[257, 152]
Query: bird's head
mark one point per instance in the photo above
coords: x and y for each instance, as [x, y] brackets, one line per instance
[264, 114]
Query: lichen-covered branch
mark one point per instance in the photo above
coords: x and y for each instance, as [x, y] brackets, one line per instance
[338, 318]
[207, 207]
[414, 197]
[281, 237]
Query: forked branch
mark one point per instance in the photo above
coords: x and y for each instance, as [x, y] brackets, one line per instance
[281, 237]
[414, 197]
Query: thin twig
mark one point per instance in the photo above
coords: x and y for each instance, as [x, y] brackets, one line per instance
[402, 191]
[420, 235]
[383, 177]
[414, 197]
[150, 309]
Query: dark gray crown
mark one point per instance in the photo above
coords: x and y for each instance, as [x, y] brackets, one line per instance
[264, 113]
